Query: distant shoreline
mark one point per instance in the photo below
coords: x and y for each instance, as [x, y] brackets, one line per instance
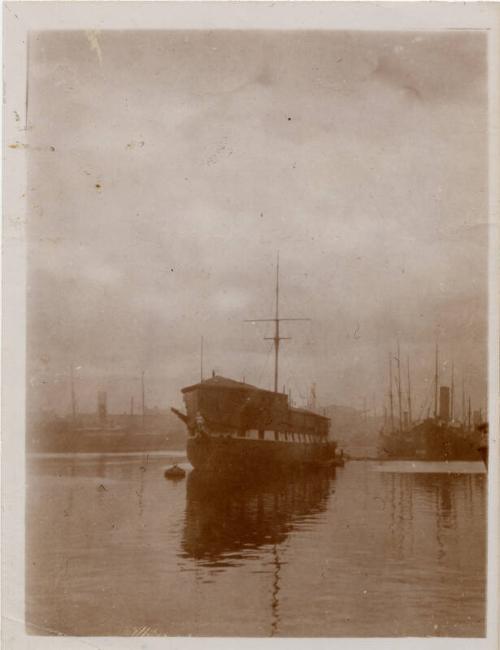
[102, 441]
[34, 455]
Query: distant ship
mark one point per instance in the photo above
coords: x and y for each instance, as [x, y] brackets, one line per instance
[235, 426]
[437, 438]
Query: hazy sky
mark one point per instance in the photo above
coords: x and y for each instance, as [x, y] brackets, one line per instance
[167, 169]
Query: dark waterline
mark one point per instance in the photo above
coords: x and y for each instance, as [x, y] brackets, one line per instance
[373, 550]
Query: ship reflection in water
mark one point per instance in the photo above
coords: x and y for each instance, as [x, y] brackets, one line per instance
[225, 516]
[227, 521]
[379, 549]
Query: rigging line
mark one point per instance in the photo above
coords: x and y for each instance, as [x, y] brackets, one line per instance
[427, 401]
[245, 364]
[298, 387]
[304, 388]
[422, 409]
[423, 404]
[309, 355]
[266, 363]
[303, 385]
[291, 383]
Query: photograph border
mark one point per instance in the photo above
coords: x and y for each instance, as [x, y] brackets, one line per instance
[20, 18]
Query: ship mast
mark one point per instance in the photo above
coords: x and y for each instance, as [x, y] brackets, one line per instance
[391, 399]
[143, 399]
[436, 381]
[201, 359]
[409, 394]
[277, 338]
[276, 320]
[452, 405]
[399, 392]
[73, 395]
[464, 416]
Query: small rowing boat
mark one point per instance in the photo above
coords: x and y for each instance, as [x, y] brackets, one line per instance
[175, 472]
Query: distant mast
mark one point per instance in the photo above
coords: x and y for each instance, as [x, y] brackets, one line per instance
[73, 395]
[313, 396]
[201, 359]
[410, 419]
[276, 320]
[452, 404]
[399, 391]
[464, 416]
[391, 398]
[436, 382]
[143, 399]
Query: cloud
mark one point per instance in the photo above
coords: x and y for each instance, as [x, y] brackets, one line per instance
[360, 156]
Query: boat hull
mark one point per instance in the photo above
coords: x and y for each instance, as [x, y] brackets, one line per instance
[428, 441]
[233, 455]
[483, 450]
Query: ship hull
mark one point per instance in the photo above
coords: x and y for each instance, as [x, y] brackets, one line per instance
[483, 450]
[429, 441]
[234, 455]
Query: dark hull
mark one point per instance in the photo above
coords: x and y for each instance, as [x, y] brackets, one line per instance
[483, 450]
[235, 455]
[429, 441]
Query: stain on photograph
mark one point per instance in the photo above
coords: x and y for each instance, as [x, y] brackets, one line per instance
[257, 333]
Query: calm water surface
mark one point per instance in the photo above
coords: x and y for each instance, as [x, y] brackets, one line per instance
[377, 549]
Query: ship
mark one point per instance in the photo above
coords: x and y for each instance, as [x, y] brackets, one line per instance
[440, 437]
[234, 426]
[435, 439]
[483, 429]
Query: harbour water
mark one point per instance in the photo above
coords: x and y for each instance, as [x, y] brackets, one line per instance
[376, 549]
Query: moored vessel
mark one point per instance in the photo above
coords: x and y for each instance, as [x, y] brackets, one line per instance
[235, 426]
[175, 472]
[437, 438]
[434, 439]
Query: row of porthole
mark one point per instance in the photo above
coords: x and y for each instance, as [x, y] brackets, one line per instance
[275, 436]
[285, 436]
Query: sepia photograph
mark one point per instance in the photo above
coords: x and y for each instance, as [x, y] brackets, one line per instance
[257, 297]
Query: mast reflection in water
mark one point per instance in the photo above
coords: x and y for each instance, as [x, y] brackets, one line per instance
[227, 519]
[398, 549]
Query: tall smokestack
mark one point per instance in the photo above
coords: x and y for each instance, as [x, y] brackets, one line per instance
[444, 403]
[102, 408]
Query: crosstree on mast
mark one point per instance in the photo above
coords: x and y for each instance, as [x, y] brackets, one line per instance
[276, 320]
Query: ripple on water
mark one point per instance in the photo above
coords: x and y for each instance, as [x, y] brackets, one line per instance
[391, 552]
